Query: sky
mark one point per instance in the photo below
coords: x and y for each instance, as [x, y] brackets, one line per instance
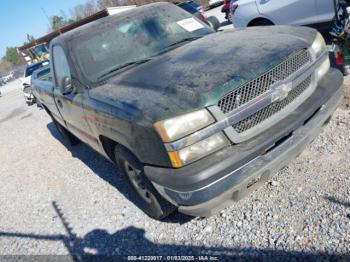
[21, 17]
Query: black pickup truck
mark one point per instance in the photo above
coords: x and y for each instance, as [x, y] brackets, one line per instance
[195, 119]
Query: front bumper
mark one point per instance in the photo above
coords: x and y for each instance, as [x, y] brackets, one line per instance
[208, 185]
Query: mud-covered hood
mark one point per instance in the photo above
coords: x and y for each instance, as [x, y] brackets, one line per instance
[195, 75]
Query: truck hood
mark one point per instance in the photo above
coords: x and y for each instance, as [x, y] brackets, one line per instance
[199, 73]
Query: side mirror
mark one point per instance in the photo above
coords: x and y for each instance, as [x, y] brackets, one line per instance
[66, 85]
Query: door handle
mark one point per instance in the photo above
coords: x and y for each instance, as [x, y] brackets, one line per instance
[59, 102]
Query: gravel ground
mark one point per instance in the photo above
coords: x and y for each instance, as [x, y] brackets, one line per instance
[60, 200]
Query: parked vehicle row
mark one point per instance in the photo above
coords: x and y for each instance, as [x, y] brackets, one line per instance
[191, 126]
[6, 78]
[9, 77]
[2, 81]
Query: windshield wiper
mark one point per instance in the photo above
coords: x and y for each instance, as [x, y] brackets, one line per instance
[115, 69]
[187, 39]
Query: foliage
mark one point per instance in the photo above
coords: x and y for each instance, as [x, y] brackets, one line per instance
[12, 56]
[5, 66]
[83, 10]
[57, 22]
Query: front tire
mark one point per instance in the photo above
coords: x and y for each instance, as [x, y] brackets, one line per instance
[148, 199]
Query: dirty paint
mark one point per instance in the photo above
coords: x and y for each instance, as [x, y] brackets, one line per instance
[192, 76]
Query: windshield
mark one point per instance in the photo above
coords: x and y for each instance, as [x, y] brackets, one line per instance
[39, 50]
[121, 42]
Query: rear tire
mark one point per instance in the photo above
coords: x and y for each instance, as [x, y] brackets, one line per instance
[148, 198]
[68, 137]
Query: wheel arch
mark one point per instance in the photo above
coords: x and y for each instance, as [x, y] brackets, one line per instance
[259, 19]
[111, 147]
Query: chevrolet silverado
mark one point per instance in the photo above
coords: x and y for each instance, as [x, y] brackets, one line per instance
[195, 119]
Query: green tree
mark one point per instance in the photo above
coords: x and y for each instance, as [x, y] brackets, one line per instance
[5, 66]
[57, 22]
[12, 56]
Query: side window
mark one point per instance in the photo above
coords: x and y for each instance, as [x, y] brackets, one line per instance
[60, 65]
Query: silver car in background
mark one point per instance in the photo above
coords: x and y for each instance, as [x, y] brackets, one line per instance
[316, 13]
[27, 78]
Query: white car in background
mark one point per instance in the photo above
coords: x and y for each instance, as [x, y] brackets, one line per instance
[316, 13]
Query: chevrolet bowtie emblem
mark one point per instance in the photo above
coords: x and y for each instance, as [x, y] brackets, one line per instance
[281, 92]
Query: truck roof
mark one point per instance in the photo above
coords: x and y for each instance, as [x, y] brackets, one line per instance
[126, 14]
[100, 14]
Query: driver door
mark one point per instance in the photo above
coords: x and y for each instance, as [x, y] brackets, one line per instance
[70, 105]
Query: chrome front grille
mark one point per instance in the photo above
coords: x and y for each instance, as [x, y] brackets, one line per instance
[262, 84]
[272, 109]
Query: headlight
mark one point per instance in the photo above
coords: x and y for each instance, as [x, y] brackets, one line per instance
[319, 45]
[198, 150]
[322, 69]
[178, 127]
